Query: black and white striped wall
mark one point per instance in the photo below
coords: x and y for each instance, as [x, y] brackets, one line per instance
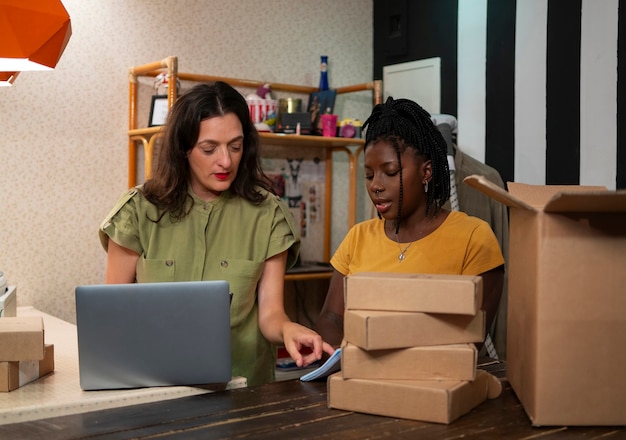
[536, 85]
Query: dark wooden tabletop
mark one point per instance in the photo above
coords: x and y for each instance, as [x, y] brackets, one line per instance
[292, 410]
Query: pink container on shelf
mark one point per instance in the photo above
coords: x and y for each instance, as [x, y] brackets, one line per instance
[329, 125]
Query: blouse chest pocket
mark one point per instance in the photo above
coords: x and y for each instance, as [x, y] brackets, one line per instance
[242, 276]
[155, 271]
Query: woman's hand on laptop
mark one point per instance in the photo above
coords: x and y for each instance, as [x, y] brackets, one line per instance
[296, 337]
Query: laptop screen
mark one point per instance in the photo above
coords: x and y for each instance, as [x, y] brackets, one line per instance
[153, 334]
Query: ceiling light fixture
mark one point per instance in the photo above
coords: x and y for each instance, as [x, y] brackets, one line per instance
[7, 78]
[33, 35]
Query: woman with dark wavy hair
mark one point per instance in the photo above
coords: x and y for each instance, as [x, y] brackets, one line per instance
[208, 214]
[407, 180]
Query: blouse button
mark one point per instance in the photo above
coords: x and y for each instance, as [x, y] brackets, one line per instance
[169, 263]
[206, 207]
[224, 264]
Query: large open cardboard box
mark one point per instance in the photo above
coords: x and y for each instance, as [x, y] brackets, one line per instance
[566, 329]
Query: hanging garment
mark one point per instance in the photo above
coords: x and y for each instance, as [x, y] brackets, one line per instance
[478, 204]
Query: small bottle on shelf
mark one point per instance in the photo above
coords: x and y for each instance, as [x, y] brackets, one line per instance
[324, 73]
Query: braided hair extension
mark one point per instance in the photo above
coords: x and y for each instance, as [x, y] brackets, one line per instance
[405, 124]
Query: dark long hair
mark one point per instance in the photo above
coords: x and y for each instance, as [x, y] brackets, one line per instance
[405, 124]
[168, 188]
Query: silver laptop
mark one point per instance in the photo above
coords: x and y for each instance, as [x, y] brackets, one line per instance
[153, 334]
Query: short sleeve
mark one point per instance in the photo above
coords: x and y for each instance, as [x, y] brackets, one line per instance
[285, 234]
[121, 224]
[340, 260]
[483, 253]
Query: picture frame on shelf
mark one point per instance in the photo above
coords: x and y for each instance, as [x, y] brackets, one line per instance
[158, 110]
[320, 102]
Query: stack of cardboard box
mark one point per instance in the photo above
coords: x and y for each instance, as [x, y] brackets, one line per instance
[23, 355]
[408, 347]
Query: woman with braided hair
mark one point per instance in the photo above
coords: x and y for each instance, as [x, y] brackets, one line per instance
[407, 179]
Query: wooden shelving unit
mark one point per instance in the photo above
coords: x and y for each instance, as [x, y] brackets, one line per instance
[272, 144]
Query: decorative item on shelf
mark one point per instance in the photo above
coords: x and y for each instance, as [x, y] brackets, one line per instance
[290, 115]
[320, 102]
[350, 128]
[162, 80]
[264, 91]
[159, 106]
[263, 109]
[289, 105]
[289, 123]
[329, 124]
[263, 113]
[33, 34]
[158, 110]
[324, 73]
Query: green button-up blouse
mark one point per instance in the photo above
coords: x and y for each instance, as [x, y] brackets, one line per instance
[226, 239]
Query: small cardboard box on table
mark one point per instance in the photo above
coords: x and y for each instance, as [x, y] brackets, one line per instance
[437, 362]
[379, 330]
[391, 310]
[23, 355]
[21, 338]
[439, 401]
[14, 374]
[566, 328]
[401, 292]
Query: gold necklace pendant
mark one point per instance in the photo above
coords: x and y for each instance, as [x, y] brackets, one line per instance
[402, 255]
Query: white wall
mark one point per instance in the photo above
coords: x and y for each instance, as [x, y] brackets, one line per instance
[63, 143]
[598, 88]
[471, 59]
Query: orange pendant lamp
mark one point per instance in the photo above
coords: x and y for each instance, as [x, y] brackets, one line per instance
[33, 35]
[7, 78]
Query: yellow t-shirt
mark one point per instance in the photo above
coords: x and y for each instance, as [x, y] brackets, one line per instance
[461, 245]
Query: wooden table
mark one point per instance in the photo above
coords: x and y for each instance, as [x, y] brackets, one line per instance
[292, 410]
[59, 393]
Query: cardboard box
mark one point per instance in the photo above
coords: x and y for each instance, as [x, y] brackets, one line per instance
[566, 311]
[21, 338]
[428, 401]
[15, 374]
[8, 303]
[376, 330]
[450, 362]
[455, 294]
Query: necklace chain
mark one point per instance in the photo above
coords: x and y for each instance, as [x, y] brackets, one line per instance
[402, 255]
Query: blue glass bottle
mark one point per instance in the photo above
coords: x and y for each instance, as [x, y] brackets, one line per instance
[324, 73]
